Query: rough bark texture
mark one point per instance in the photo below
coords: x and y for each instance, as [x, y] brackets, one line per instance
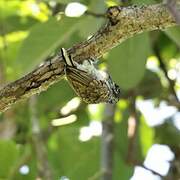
[122, 23]
[173, 6]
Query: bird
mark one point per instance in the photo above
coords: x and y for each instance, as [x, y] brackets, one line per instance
[93, 86]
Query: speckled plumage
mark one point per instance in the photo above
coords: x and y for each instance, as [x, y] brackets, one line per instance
[89, 83]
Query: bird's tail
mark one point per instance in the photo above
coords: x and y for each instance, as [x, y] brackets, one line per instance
[67, 58]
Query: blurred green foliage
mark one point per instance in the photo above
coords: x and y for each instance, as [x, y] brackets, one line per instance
[29, 33]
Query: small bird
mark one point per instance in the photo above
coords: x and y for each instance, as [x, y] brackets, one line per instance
[90, 84]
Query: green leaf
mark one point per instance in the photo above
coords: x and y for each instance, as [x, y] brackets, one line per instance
[121, 169]
[129, 149]
[56, 96]
[127, 61]
[65, 1]
[8, 8]
[8, 57]
[146, 136]
[121, 133]
[71, 157]
[97, 6]
[174, 34]
[18, 23]
[167, 133]
[142, 2]
[26, 158]
[150, 86]
[168, 50]
[90, 25]
[43, 39]
[8, 157]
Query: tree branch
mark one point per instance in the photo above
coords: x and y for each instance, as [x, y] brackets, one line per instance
[133, 125]
[122, 23]
[151, 170]
[44, 171]
[172, 6]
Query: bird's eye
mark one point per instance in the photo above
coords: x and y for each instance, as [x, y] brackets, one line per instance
[117, 91]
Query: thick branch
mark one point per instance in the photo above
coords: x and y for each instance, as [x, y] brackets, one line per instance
[122, 24]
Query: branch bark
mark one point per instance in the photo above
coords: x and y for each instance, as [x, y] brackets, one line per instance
[172, 6]
[122, 23]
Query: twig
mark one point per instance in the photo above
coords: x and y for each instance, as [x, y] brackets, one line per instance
[174, 171]
[122, 24]
[164, 69]
[44, 170]
[154, 172]
[133, 123]
[107, 148]
[172, 102]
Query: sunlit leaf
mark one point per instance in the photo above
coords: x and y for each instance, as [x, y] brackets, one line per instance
[146, 136]
[9, 52]
[8, 8]
[127, 61]
[43, 39]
